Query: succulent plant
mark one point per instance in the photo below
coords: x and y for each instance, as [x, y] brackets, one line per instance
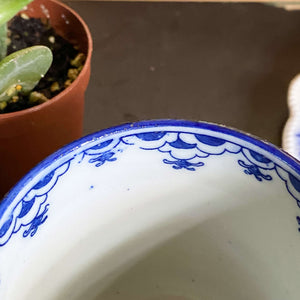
[20, 71]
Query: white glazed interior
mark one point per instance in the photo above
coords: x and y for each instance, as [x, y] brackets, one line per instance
[146, 231]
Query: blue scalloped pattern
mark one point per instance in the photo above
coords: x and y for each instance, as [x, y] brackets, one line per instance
[31, 211]
[180, 150]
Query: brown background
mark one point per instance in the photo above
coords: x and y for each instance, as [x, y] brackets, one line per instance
[223, 63]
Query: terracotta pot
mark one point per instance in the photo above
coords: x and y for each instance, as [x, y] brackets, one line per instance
[28, 136]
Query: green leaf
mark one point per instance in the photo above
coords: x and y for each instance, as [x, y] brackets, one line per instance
[22, 70]
[9, 8]
[3, 44]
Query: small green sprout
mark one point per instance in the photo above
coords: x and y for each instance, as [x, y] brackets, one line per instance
[20, 71]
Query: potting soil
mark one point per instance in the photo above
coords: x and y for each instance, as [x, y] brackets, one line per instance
[25, 32]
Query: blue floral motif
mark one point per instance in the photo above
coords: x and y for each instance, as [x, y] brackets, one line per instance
[36, 222]
[184, 150]
[254, 170]
[31, 211]
[178, 149]
[183, 164]
[103, 158]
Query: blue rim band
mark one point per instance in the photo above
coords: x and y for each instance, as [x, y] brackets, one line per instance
[283, 156]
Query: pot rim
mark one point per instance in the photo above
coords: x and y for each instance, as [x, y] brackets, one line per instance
[76, 81]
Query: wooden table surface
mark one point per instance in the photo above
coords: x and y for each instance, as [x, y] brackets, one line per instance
[218, 62]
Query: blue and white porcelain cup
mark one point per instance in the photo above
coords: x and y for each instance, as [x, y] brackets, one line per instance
[155, 210]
